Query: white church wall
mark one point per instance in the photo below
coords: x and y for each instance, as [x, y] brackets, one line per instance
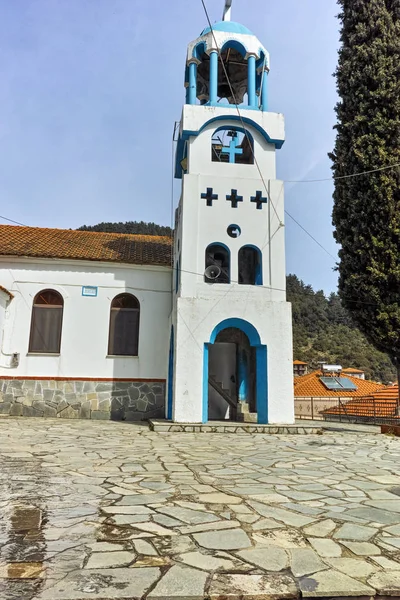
[83, 368]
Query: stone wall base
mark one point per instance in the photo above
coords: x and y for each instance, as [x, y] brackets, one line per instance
[77, 399]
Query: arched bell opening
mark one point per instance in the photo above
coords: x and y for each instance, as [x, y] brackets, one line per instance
[235, 374]
[233, 145]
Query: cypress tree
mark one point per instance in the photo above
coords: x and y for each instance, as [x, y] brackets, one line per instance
[366, 214]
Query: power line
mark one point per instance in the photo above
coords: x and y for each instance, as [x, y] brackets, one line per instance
[345, 176]
[12, 221]
[248, 138]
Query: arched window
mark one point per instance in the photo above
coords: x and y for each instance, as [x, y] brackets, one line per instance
[218, 255]
[250, 266]
[46, 325]
[232, 145]
[123, 338]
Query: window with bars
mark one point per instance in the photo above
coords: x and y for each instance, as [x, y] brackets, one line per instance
[123, 337]
[46, 324]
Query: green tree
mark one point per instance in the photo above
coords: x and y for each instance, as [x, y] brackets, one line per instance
[366, 213]
[136, 227]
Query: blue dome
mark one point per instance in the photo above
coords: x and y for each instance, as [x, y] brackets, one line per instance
[228, 26]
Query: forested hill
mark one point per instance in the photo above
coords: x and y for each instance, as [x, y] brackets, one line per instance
[138, 227]
[324, 331]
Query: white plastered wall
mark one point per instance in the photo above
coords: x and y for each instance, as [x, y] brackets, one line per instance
[84, 342]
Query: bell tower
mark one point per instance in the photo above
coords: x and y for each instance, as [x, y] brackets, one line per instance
[231, 331]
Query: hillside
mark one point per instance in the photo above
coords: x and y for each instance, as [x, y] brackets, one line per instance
[324, 331]
[138, 227]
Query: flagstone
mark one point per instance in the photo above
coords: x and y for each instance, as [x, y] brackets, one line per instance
[231, 540]
[362, 548]
[386, 583]
[321, 529]
[305, 561]
[108, 560]
[270, 559]
[332, 583]
[238, 587]
[351, 531]
[180, 582]
[352, 566]
[326, 547]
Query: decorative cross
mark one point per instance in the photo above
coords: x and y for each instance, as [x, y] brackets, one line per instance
[259, 199]
[233, 149]
[234, 198]
[227, 10]
[209, 196]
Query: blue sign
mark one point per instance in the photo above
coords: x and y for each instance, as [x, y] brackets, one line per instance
[88, 290]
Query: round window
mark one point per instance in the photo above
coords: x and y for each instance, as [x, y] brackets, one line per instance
[234, 231]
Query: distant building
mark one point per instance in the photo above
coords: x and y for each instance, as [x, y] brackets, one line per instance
[300, 368]
[354, 373]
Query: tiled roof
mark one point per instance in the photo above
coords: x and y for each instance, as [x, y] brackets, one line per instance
[381, 404]
[350, 370]
[85, 245]
[310, 385]
[299, 362]
[3, 289]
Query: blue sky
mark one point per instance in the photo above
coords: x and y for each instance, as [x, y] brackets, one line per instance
[90, 91]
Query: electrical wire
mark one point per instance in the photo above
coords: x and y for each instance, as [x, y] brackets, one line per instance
[12, 221]
[249, 141]
[345, 176]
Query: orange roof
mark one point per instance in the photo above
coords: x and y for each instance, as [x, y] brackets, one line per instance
[3, 289]
[350, 370]
[310, 386]
[85, 245]
[299, 362]
[382, 404]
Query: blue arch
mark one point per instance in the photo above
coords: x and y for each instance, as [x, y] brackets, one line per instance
[245, 326]
[235, 45]
[259, 269]
[235, 128]
[171, 374]
[225, 247]
[261, 365]
[229, 27]
[199, 50]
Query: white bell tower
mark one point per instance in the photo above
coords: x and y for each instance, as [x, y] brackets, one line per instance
[231, 331]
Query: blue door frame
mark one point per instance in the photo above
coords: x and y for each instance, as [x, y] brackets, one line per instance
[261, 366]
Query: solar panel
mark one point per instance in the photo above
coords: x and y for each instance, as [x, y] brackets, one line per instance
[338, 383]
[347, 384]
[331, 383]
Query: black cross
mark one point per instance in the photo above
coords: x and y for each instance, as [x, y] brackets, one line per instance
[234, 198]
[209, 196]
[259, 199]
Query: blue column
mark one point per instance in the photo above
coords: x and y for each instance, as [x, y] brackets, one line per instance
[252, 81]
[243, 376]
[192, 83]
[213, 77]
[264, 91]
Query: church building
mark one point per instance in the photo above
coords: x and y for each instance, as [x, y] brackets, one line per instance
[191, 329]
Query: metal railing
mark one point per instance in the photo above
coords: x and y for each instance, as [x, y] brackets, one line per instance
[367, 410]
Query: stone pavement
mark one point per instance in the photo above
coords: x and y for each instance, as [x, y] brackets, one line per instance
[103, 510]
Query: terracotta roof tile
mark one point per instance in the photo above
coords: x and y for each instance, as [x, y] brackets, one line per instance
[310, 385]
[350, 370]
[381, 404]
[85, 245]
[299, 362]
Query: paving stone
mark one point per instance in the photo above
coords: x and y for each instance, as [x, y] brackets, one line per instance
[279, 514]
[230, 540]
[386, 583]
[189, 516]
[362, 548]
[284, 538]
[155, 529]
[266, 524]
[394, 530]
[326, 547]
[130, 519]
[321, 529]
[350, 531]
[143, 547]
[270, 559]
[389, 541]
[106, 547]
[216, 526]
[351, 566]
[206, 562]
[180, 582]
[332, 583]
[240, 587]
[99, 584]
[219, 498]
[305, 561]
[374, 514]
[109, 560]
[126, 510]
[385, 563]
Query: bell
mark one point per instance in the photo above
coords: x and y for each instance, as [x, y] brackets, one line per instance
[224, 91]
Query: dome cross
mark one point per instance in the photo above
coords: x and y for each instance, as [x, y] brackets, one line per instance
[227, 10]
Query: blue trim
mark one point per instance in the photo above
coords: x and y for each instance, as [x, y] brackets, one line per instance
[221, 245]
[192, 83]
[186, 134]
[262, 384]
[259, 270]
[171, 375]
[244, 326]
[229, 27]
[205, 384]
[199, 50]
[251, 82]
[243, 376]
[235, 45]
[214, 76]
[264, 92]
